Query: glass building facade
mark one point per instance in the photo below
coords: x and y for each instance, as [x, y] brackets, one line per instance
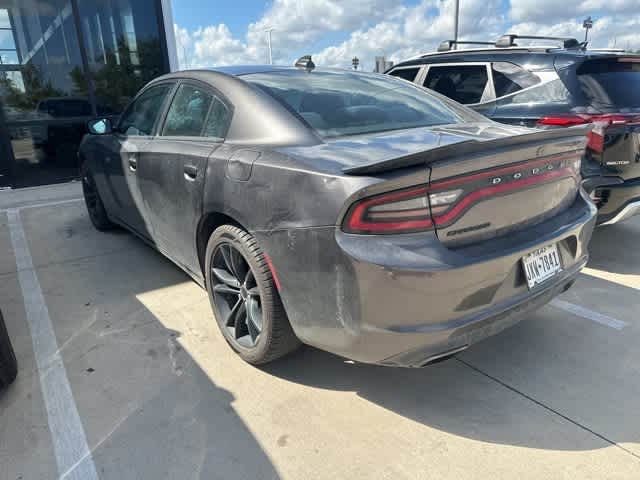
[63, 62]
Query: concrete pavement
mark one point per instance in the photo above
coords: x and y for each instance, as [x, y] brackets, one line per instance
[160, 395]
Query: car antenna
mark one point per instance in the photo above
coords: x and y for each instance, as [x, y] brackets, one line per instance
[306, 63]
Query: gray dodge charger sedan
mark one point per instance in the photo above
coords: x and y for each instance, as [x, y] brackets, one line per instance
[354, 212]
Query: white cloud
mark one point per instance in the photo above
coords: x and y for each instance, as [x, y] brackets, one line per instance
[546, 11]
[420, 29]
[390, 28]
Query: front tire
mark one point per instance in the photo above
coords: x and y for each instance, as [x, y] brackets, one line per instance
[8, 362]
[95, 207]
[244, 297]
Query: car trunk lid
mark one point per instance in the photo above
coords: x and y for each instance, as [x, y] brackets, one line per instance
[486, 187]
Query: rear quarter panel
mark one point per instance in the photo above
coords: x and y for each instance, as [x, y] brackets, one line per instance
[279, 193]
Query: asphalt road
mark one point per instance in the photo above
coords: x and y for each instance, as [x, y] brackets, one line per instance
[140, 385]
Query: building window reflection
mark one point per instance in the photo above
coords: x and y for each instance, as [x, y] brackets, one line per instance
[48, 90]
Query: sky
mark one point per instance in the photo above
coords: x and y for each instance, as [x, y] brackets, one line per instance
[215, 33]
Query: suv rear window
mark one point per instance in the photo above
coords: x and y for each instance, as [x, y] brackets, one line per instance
[611, 83]
[463, 83]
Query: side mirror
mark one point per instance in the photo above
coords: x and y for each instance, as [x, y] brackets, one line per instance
[102, 126]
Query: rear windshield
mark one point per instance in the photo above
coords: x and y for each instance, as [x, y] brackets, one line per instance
[344, 103]
[611, 83]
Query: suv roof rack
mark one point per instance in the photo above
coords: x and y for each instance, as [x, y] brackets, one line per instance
[568, 43]
[447, 45]
[606, 50]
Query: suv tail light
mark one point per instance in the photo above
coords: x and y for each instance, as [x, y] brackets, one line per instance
[600, 122]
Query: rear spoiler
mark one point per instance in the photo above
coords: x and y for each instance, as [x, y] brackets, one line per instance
[469, 147]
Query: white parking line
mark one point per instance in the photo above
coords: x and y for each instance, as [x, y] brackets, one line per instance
[589, 314]
[73, 457]
[44, 204]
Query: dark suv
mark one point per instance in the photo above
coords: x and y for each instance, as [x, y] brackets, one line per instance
[552, 87]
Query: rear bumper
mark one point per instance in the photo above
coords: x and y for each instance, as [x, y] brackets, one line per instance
[619, 202]
[407, 300]
[462, 333]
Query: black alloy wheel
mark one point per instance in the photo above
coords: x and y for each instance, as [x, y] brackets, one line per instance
[244, 297]
[236, 295]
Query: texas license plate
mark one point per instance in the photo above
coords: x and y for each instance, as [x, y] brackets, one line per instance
[541, 264]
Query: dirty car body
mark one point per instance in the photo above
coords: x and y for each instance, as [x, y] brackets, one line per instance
[394, 220]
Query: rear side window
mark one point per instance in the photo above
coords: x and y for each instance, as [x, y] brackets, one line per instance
[550, 93]
[612, 83]
[188, 112]
[408, 74]
[463, 83]
[218, 120]
[509, 78]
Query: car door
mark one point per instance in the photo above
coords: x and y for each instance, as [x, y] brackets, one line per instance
[467, 83]
[122, 154]
[172, 169]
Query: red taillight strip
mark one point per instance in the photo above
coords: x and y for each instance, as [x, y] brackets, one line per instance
[438, 185]
[477, 195]
[408, 225]
[357, 224]
[582, 118]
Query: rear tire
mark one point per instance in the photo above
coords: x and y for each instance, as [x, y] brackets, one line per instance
[95, 207]
[244, 297]
[8, 362]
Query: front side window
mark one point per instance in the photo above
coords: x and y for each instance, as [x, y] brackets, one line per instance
[337, 103]
[509, 78]
[463, 83]
[408, 74]
[188, 112]
[141, 115]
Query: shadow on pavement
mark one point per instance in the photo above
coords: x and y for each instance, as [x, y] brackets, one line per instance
[614, 248]
[148, 409]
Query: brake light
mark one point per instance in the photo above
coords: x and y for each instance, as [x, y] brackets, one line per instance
[583, 118]
[563, 121]
[600, 122]
[415, 209]
[401, 211]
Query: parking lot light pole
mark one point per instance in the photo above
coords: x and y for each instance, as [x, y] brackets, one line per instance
[269, 30]
[456, 20]
[587, 24]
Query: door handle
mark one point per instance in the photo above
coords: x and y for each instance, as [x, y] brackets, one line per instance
[133, 164]
[190, 172]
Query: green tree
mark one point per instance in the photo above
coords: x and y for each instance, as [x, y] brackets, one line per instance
[36, 88]
[116, 82]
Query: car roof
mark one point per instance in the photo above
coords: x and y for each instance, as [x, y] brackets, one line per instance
[542, 56]
[240, 70]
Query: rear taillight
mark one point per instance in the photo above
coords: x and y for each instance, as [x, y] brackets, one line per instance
[600, 125]
[416, 209]
[401, 211]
